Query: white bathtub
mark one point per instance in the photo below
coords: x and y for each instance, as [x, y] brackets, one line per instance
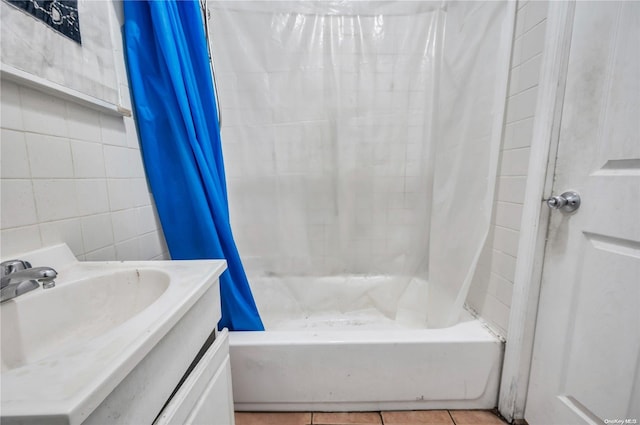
[329, 357]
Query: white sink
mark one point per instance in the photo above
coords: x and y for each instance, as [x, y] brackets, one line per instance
[74, 313]
[65, 349]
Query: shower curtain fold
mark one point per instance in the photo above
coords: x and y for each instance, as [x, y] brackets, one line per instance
[176, 115]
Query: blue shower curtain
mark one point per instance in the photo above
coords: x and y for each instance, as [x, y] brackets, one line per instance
[176, 114]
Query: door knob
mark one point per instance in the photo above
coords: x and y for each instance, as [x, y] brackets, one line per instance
[568, 202]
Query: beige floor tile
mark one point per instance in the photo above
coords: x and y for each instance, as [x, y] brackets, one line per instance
[272, 418]
[417, 417]
[475, 417]
[343, 418]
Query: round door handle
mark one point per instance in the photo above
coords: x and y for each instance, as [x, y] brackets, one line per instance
[568, 202]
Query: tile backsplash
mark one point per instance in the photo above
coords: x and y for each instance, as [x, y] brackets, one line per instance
[73, 174]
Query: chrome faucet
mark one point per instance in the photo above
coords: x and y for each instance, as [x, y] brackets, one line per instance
[18, 277]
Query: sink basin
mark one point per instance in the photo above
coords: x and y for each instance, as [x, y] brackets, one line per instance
[65, 350]
[74, 313]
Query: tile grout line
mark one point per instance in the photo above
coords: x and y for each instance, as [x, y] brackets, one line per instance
[451, 416]
[312, 419]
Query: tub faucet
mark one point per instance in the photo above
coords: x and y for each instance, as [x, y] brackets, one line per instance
[18, 277]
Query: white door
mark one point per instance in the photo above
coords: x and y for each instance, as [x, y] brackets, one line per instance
[586, 359]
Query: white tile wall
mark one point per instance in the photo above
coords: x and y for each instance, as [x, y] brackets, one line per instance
[43, 115]
[67, 185]
[55, 199]
[73, 188]
[20, 239]
[88, 160]
[97, 232]
[491, 291]
[92, 196]
[125, 225]
[83, 124]
[15, 161]
[49, 157]
[514, 162]
[75, 175]
[11, 108]
[69, 231]
[511, 188]
[24, 209]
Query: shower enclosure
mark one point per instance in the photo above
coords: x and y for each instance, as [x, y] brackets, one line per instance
[361, 142]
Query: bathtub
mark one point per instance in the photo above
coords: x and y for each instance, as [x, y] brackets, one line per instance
[334, 344]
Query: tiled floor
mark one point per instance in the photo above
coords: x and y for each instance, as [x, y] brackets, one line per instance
[422, 417]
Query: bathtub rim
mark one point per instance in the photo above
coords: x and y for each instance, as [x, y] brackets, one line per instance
[468, 330]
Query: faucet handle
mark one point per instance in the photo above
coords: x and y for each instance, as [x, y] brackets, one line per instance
[12, 266]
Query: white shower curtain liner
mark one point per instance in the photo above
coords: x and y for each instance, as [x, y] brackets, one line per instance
[359, 141]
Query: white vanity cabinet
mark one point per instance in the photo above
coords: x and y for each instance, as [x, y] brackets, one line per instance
[205, 397]
[125, 343]
[175, 383]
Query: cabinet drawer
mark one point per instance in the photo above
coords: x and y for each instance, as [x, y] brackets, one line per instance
[205, 397]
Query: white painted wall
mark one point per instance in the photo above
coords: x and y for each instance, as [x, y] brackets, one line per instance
[73, 174]
[491, 291]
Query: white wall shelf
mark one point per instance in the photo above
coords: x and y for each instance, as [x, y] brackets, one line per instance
[24, 78]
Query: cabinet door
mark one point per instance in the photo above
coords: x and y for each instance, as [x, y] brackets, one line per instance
[206, 396]
[216, 404]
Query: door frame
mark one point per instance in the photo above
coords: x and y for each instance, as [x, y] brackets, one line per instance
[535, 216]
